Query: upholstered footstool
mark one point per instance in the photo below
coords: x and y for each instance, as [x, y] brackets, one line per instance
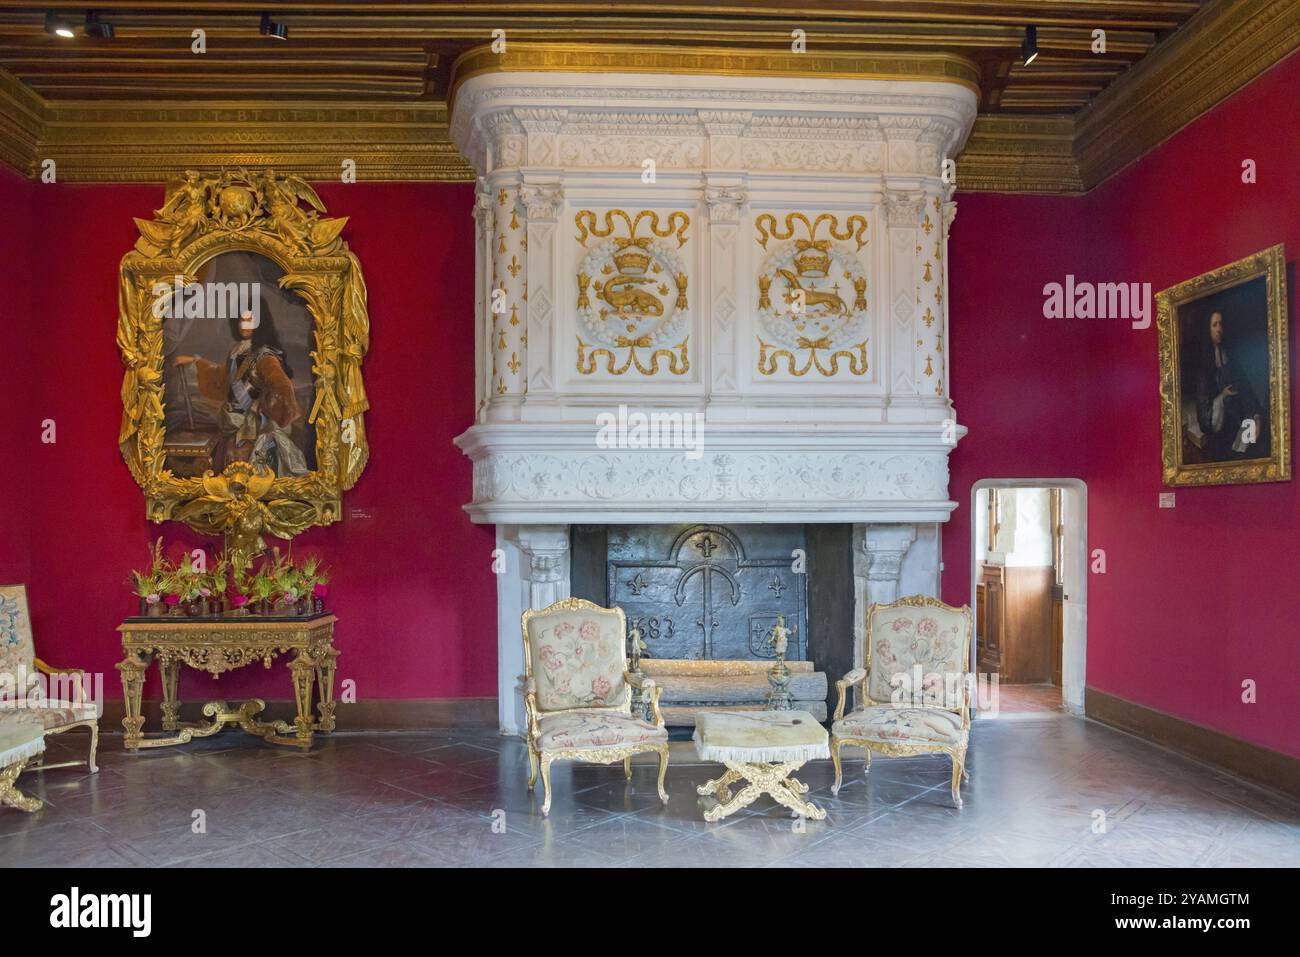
[22, 737]
[762, 748]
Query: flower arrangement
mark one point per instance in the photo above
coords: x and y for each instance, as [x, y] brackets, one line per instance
[273, 585]
[151, 584]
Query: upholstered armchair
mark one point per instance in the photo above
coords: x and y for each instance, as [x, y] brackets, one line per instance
[578, 693]
[913, 693]
[57, 712]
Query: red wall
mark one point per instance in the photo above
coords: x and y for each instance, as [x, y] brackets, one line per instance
[412, 585]
[19, 415]
[1201, 597]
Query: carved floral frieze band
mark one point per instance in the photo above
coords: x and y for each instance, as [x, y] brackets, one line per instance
[632, 293]
[812, 295]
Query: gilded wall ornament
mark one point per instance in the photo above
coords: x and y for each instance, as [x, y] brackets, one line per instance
[260, 448]
[812, 296]
[632, 293]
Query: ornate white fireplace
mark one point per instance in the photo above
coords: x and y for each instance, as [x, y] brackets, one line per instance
[731, 235]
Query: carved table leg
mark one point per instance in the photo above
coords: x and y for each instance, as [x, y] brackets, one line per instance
[721, 787]
[9, 794]
[170, 670]
[325, 683]
[133, 669]
[770, 779]
[303, 670]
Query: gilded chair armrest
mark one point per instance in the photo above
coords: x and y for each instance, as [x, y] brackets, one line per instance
[967, 682]
[530, 708]
[650, 689]
[45, 669]
[853, 678]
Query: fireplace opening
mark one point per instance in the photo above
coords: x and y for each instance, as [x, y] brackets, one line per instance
[705, 597]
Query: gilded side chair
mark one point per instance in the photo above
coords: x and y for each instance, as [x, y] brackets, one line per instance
[61, 707]
[928, 710]
[578, 693]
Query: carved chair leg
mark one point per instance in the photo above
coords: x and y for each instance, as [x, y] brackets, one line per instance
[835, 759]
[663, 769]
[957, 762]
[866, 761]
[9, 793]
[627, 768]
[546, 784]
[532, 767]
[94, 747]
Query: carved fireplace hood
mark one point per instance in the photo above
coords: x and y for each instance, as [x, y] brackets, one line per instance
[758, 239]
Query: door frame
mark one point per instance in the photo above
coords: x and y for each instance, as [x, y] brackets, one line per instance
[1074, 625]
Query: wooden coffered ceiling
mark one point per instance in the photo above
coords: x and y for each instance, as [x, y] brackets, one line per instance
[368, 80]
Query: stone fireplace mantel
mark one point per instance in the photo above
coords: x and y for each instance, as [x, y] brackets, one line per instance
[727, 237]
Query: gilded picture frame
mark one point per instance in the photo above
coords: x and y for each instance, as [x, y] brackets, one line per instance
[279, 218]
[1225, 384]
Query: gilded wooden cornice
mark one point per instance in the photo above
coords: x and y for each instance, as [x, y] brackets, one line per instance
[1217, 52]
[21, 124]
[124, 142]
[716, 61]
[1006, 153]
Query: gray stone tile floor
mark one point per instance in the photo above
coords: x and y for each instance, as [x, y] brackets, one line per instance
[452, 799]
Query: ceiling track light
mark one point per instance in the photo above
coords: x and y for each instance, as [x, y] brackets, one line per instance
[95, 27]
[56, 26]
[273, 28]
[1029, 48]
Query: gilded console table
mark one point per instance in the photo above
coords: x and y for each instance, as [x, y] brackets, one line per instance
[220, 645]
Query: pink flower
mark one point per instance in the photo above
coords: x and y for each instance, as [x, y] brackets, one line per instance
[319, 590]
[151, 599]
[902, 624]
[600, 687]
[172, 599]
[589, 631]
[928, 627]
[239, 600]
[205, 592]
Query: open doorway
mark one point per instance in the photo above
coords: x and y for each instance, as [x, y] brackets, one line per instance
[1029, 581]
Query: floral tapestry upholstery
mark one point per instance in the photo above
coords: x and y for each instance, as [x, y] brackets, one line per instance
[900, 637]
[21, 737]
[17, 652]
[59, 714]
[595, 729]
[891, 725]
[578, 659]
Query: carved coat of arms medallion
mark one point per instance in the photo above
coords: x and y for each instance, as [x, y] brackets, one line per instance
[633, 310]
[812, 295]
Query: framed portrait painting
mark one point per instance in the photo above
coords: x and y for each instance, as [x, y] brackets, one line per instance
[1225, 375]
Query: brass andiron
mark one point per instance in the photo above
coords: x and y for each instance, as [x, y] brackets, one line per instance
[778, 698]
[640, 703]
